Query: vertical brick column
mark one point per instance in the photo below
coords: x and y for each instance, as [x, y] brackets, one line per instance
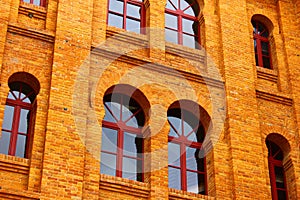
[290, 31]
[155, 18]
[243, 125]
[63, 164]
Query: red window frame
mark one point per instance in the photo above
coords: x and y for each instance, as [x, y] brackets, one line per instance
[18, 104]
[179, 13]
[260, 36]
[121, 127]
[41, 2]
[183, 141]
[275, 157]
[125, 16]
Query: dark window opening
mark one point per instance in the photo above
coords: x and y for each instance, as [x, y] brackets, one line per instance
[122, 139]
[181, 23]
[18, 120]
[261, 45]
[277, 174]
[187, 168]
[127, 14]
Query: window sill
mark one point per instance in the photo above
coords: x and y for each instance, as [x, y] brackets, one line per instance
[14, 164]
[197, 55]
[180, 194]
[127, 37]
[125, 186]
[267, 74]
[32, 10]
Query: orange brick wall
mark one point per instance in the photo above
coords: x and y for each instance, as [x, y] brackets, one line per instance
[76, 57]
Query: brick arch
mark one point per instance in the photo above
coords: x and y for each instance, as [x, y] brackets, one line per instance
[264, 20]
[280, 141]
[195, 109]
[26, 78]
[133, 92]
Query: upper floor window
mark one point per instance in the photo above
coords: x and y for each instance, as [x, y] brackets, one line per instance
[181, 22]
[122, 137]
[36, 2]
[261, 45]
[18, 120]
[126, 14]
[187, 168]
[277, 172]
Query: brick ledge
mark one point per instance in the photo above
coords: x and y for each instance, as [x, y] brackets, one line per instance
[125, 186]
[18, 194]
[14, 164]
[180, 194]
[276, 98]
[40, 35]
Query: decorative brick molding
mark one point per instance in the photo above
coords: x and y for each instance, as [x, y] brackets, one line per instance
[186, 52]
[32, 12]
[180, 194]
[274, 98]
[267, 74]
[160, 68]
[31, 33]
[127, 37]
[18, 194]
[14, 164]
[125, 186]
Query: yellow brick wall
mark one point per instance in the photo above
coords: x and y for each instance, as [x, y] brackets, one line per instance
[76, 57]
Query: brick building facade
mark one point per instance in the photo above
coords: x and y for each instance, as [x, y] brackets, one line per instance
[72, 71]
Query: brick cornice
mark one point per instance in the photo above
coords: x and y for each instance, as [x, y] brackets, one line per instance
[31, 33]
[276, 98]
[160, 68]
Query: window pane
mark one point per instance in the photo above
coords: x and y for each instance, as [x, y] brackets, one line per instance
[176, 123]
[170, 6]
[129, 169]
[174, 178]
[116, 6]
[109, 140]
[191, 162]
[114, 20]
[266, 62]
[195, 183]
[281, 195]
[174, 154]
[21, 145]
[256, 60]
[187, 26]
[183, 4]
[133, 25]
[115, 109]
[24, 119]
[171, 21]
[130, 145]
[108, 164]
[265, 48]
[4, 142]
[279, 174]
[27, 1]
[133, 11]
[188, 41]
[8, 117]
[36, 2]
[171, 36]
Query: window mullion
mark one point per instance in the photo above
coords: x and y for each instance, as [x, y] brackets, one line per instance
[259, 52]
[180, 35]
[120, 153]
[14, 131]
[183, 167]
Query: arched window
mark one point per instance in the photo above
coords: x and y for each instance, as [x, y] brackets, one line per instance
[126, 14]
[187, 168]
[122, 138]
[181, 23]
[261, 45]
[277, 173]
[18, 120]
[36, 2]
